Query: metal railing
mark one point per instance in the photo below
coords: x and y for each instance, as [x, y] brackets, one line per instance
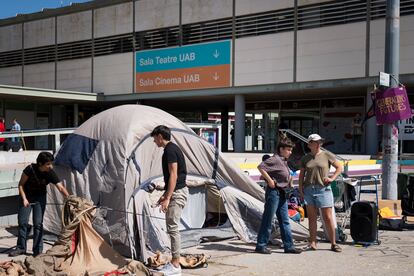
[303, 139]
[56, 132]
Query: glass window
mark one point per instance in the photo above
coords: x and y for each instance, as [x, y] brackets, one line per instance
[304, 104]
[262, 106]
[349, 102]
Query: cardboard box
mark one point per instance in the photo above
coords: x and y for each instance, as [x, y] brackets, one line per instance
[394, 205]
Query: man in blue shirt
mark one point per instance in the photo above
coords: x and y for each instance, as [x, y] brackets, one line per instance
[15, 127]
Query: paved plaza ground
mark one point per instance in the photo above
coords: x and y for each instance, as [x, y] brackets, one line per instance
[394, 256]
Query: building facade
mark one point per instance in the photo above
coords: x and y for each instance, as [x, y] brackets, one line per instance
[308, 65]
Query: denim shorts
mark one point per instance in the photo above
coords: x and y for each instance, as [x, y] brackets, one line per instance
[319, 196]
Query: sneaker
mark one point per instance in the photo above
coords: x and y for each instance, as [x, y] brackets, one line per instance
[17, 252]
[293, 250]
[170, 270]
[309, 248]
[263, 250]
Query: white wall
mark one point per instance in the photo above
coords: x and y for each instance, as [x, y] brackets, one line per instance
[113, 74]
[10, 38]
[249, 6]
[377, 46]
[264, 59]
[203, 10]
[113, 20]
[40, 75]
[333, 52]
[407, 44]
[74, 27]
[153, 14]
[11, 75]
[74, 75]
[39, 33]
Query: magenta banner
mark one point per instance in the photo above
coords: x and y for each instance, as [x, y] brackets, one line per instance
[392, 105]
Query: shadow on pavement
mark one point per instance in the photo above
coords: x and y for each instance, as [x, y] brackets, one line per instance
[14, 230]
[225, 247]
[5, 250]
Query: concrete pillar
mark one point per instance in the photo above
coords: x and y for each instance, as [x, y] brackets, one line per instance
[225, 130]
[371, 129]
[75, 115]
[239, 124]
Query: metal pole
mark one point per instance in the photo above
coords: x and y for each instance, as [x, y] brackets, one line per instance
[371, 129]
[57, 142]
[225, 129]
[390, 131]
[239, 124]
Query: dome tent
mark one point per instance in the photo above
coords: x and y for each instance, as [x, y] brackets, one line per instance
[111, 159]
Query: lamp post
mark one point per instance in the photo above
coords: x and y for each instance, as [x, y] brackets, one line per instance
[390, 131]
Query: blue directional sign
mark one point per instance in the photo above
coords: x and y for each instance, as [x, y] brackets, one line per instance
[208, 54]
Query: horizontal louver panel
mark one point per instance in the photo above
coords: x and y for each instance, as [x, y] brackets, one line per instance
[11, 58]
[269, 22]
[331, 13]
[80, 49]
[265, 23]
[208, 31]
[160, 38]
[40, 55]
[113, 45]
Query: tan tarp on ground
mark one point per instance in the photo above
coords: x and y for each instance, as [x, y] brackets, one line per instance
[124, 163]
[79, 250]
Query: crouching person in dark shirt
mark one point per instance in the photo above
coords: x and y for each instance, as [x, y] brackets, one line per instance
[275, 172]
[32, 190]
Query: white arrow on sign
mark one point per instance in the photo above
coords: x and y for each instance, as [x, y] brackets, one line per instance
[216, 54]
[216, 76]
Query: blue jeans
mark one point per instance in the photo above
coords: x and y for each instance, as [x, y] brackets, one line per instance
[275, 203]
[38, 205]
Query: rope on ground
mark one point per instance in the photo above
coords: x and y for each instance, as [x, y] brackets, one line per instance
[113, 210]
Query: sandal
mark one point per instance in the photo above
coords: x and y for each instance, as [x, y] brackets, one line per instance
[336, 248]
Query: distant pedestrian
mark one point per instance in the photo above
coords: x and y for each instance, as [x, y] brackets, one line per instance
[315, 188]
[15, 127]
[2, 129]
[232, 137]
[276, 173]
[173, 200]
[32, 191]
[356, 133]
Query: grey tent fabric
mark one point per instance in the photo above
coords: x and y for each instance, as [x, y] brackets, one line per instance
[125, 161]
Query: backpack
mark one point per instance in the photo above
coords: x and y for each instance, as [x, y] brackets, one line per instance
[391, 224]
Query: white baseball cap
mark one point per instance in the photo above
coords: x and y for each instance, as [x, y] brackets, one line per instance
[315, 137]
